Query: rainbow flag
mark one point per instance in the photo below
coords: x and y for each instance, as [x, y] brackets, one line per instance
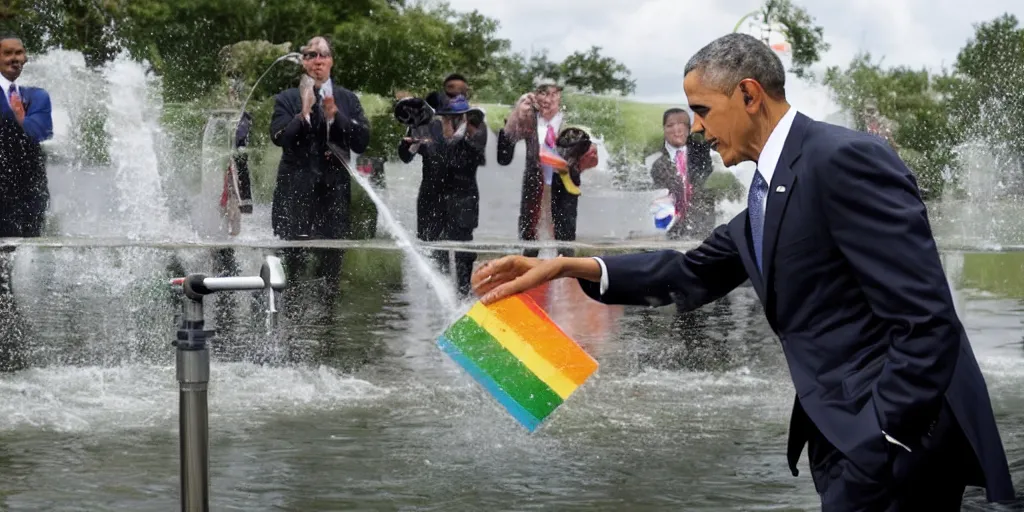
[519, 356]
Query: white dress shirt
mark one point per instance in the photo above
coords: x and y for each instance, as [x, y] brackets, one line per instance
[6, 85]
[766, 163]
[672, 150]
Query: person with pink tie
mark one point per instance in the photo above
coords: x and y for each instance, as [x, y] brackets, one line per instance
[537, 120]
[683, 168]
[25, 122]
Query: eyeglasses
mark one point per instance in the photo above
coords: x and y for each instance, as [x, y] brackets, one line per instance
[313, 55]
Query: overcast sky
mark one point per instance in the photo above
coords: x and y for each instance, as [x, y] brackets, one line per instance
[654, 38]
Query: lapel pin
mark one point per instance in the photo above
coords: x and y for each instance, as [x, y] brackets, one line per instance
[780, 188]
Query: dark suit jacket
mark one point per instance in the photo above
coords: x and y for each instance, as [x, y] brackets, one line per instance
[24, 194]
[448, 195]
[306, 162]
[854, 288]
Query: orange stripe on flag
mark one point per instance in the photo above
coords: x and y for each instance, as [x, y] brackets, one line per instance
[534, 326]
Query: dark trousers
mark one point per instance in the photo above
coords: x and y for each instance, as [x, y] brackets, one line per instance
[244, 183]
[23, 216]
[564, 208]
[436, 227]
[318, 211]
[931, 477]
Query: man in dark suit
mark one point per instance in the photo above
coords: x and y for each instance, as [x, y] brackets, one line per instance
[837, 244]
[313, 190]
[25, 122]
[682, 168]
[453, 146]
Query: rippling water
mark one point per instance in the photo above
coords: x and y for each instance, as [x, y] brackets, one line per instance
[351, 407]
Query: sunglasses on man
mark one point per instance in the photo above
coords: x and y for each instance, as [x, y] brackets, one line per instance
[312, 55]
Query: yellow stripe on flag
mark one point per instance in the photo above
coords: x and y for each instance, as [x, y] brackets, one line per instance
[544, 370]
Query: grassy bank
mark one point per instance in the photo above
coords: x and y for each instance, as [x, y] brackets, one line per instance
[619, 122]
[998, 273]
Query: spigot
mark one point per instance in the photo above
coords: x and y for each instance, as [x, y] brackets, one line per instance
[272, 273]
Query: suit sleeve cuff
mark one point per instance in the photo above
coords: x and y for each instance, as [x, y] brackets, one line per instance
[604, 275]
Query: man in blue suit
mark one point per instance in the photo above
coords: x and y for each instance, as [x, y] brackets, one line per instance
[837, 244]
[24, 123]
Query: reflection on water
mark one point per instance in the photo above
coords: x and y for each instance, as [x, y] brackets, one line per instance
[349, 405]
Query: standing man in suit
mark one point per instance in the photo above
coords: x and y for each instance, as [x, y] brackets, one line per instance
[837, 244]
[313, 191]
[24, 192]
[25, 122]
[682, 168]
[537, 119]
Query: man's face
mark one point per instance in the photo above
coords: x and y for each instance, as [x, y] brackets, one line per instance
[722, 117]
[456, 88]
[677, 129]
[12, 58]
[549, 100]
[317, 60]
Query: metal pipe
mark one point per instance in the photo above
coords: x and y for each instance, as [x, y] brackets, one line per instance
[193, 371]
[194, 429]
[222, 284]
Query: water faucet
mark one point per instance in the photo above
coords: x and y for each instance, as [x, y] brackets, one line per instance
[193, 371]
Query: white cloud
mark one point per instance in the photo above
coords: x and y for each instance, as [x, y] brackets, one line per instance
[654, 38]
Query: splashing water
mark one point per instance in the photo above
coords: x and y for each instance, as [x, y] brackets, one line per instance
[132, 125]
[444, 291]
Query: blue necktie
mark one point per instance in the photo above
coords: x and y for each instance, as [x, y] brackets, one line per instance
[755, 209]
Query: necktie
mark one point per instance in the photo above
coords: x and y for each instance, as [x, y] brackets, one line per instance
[549, 139]
[12, 96]
[683, 203]
[755, 210]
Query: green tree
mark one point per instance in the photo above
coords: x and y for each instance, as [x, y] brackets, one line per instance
[589, 72]
[988, 101]
[807, 40]
[915, 101]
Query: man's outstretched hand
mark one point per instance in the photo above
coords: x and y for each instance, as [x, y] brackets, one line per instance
[509, 275]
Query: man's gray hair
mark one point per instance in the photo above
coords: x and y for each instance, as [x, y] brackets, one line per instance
[316, 40]
[732, 58]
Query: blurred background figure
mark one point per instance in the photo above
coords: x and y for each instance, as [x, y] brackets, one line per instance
[877, 124]
[313, 192]
[683, 169]
[25, 122]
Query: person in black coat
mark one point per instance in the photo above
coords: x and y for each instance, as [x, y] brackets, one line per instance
[25, 122]
[241, 159]
[452, 146]
[313, 190]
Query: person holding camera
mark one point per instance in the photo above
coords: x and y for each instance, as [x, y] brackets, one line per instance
[537, 119]
[451, 141]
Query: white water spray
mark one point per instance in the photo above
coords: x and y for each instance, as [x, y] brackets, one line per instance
[133, 125]
[442, 288]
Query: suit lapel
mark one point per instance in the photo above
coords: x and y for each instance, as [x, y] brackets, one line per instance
[779, 192]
